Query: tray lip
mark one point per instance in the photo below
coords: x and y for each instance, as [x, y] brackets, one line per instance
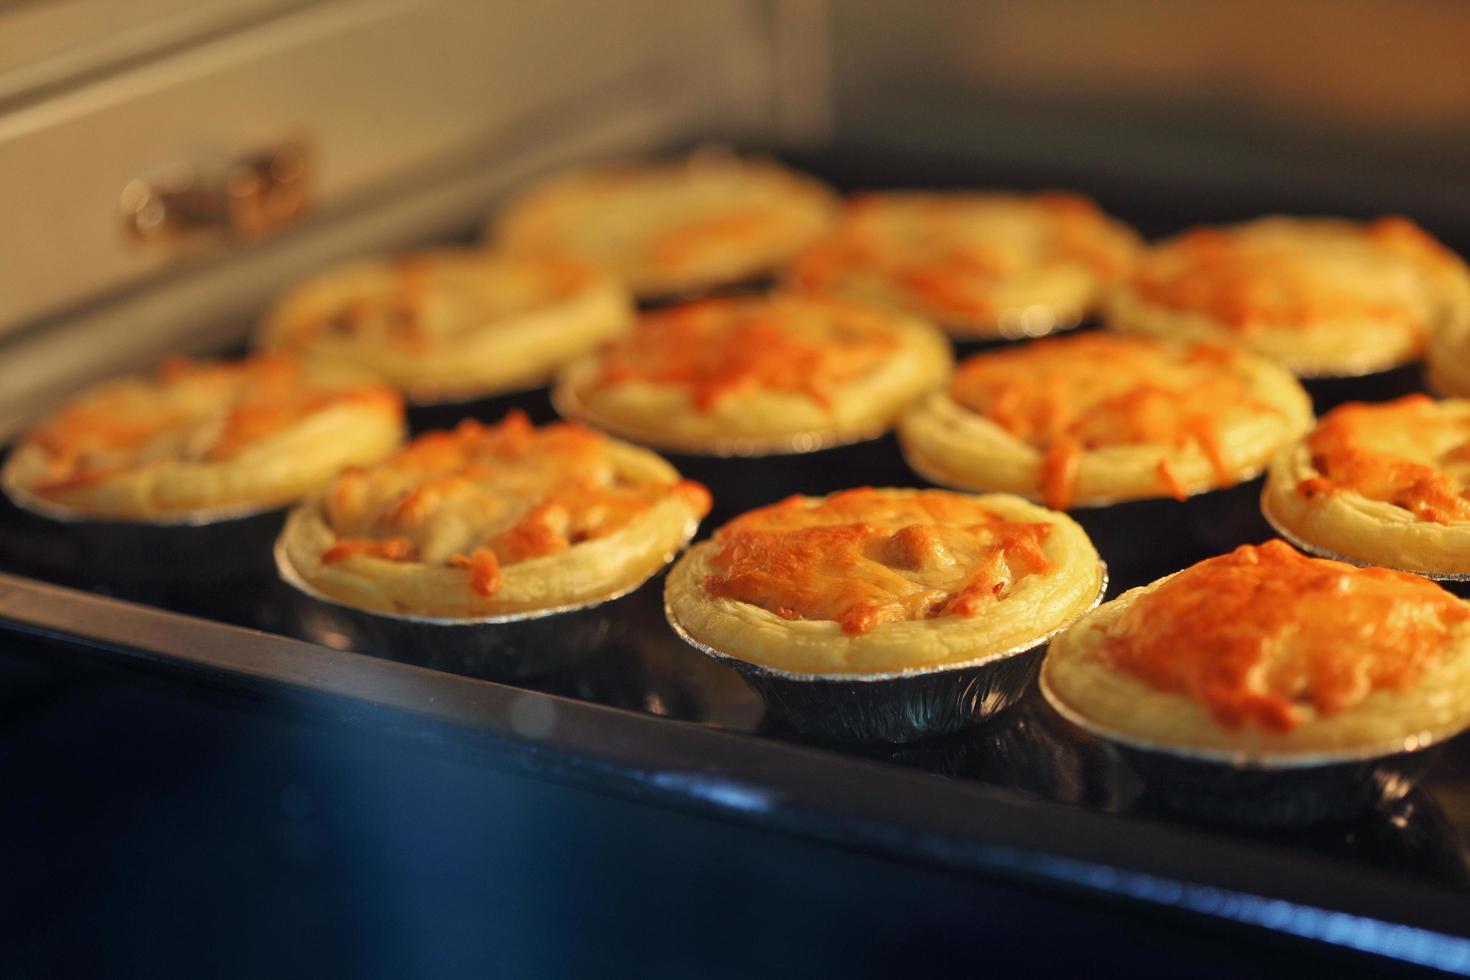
[960, 825]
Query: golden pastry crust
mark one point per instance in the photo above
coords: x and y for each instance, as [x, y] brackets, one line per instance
[1380, 485]
[1325, 720]
[1097, 418]
[450, 325]
[892, 553]
[1322, 297]
[783, 372]
[488, 521]
[978, 264]
[198, 441]
[1448, 358]
[682, 226]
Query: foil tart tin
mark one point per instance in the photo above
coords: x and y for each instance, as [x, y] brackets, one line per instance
[535, 401]
[895, 707]
[1142, 540]
[505, 647]
[1456, 583]
[1331, 390]
[185, 561]
[1267, 791]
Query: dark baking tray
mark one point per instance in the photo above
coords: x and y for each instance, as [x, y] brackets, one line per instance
[1025, 796]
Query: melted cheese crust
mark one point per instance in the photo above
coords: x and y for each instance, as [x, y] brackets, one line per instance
[1097, 418]
[493, 520]
[777, 373]
[201, 440]
[1322, 297]
[451, 324]
[1266, 656]
[688, 225]
[867, 582]
[979, 265]
[1380, 484]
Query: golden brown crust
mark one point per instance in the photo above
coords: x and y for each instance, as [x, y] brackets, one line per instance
[668, 228]
[450, 324]
[1097, 418]
[1244, 659]
[199, 440]
[1322, 297]
[485, 521]
[775, 373]
[1380, 484]
[879, 589]
[978, 264]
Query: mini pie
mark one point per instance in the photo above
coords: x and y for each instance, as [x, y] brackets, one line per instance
[491, 520]
[1265, 655]
[687, 225]
[1380, 484]
[778, 373]
[450, 325]
[866, 582]
[198, 441]
[978, 264]
[1097, 418]
[1320, 296]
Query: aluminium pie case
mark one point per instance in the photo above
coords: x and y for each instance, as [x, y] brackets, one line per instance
[391, 148]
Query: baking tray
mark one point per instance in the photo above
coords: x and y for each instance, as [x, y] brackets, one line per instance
[1025, 796]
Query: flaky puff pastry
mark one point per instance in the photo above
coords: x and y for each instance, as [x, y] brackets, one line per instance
[978, 264]
[1265, 657]
[1323, 297]
[884, 582]
[490, 520]
[1380, 484]
[198, 441]
[681, 226]
[1097, 418]
[450, 325]
[783, 372]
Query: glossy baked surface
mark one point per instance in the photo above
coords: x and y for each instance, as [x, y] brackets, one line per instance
[493, 519]
[1097, 418]
[450, 324]
[783, 372]
[681, 226]
[978, 264]
[1265, 654]
[1320, 296]
[1380, 484]
[196, 440]
[884, 581]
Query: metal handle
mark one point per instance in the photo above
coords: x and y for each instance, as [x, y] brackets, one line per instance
[242, 200]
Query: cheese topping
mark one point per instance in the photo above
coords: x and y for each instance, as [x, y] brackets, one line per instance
[484, 497]
[862, 559]
[1074, 394]
[716, 349]
[953, 255]
[1263, 633]
[662, 226]
[420, 302]
[205, 411]
[1299, 274]
[1408, 452]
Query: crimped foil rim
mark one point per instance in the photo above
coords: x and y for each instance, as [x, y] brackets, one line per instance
[1239, 759]
[202, 517]
[292, 577]
[748, 667]
[1303, 545]
[569, 406]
